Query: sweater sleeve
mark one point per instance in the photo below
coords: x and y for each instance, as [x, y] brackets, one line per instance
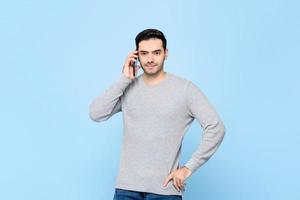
[213, 128]
[109, 102]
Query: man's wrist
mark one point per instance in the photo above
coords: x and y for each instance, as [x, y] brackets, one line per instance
[185, 167]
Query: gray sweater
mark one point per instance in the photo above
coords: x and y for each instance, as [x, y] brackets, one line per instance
[156, 118]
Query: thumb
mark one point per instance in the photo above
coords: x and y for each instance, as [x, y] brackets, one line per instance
[167, 180]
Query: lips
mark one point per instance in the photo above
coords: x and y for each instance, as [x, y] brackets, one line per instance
[151, 66]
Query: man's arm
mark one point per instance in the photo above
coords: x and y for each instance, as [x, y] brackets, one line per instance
[109, 103]
[214, 129]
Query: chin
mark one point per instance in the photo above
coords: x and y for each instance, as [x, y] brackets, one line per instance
[151, 72]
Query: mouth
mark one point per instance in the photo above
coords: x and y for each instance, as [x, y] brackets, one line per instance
[150, 66]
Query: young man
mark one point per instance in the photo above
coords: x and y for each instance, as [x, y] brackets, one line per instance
[158, 107]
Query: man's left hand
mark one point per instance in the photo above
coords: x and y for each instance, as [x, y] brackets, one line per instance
[178, 176]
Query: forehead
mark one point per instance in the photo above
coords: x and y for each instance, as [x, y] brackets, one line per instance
[151, 44]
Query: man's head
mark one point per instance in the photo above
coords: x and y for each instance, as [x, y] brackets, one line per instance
[150, 34]
[151, 45]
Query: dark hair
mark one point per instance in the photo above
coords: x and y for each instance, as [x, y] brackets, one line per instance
[148, 34]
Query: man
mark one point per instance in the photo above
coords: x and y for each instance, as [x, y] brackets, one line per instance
[158, 107]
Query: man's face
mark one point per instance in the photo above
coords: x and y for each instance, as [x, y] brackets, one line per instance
[152, 56]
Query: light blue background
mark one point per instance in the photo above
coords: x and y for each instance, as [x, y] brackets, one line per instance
[57, 56]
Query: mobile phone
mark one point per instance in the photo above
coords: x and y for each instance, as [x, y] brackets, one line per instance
[136, 63]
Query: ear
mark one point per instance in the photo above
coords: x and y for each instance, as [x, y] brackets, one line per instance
[166, 53]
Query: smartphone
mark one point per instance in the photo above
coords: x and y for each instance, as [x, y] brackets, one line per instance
[136, 63]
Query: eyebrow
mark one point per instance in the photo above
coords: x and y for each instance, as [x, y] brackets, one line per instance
[148, 51]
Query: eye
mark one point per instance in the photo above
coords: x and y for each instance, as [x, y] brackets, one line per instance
[143, 53]
[157, 53]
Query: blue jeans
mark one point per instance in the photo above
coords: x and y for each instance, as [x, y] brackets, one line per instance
[121, 194]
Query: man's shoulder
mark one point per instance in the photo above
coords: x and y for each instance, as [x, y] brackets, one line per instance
[178, 79]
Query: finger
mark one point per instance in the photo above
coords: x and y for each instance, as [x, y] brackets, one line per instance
[175, 185]
[181, 186]
[131, 72]
[184, 184]
[130, 61]
[180, 183]
[167, 180]
[133, 55]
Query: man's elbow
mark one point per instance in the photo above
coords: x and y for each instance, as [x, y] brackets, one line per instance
[217, 127]
[222, 129]
[95, 116]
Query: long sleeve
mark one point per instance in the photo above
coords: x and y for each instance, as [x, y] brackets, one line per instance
[213, 128]
[108, 103]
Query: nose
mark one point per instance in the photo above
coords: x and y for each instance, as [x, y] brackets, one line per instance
[150, 58]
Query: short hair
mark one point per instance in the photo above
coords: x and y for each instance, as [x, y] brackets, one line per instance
[149, 34]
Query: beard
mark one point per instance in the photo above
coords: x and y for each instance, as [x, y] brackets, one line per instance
[152, 71]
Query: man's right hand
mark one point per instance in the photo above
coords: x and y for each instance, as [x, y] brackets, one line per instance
[128, 66]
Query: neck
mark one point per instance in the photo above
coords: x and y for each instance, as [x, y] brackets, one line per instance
[154, 79]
